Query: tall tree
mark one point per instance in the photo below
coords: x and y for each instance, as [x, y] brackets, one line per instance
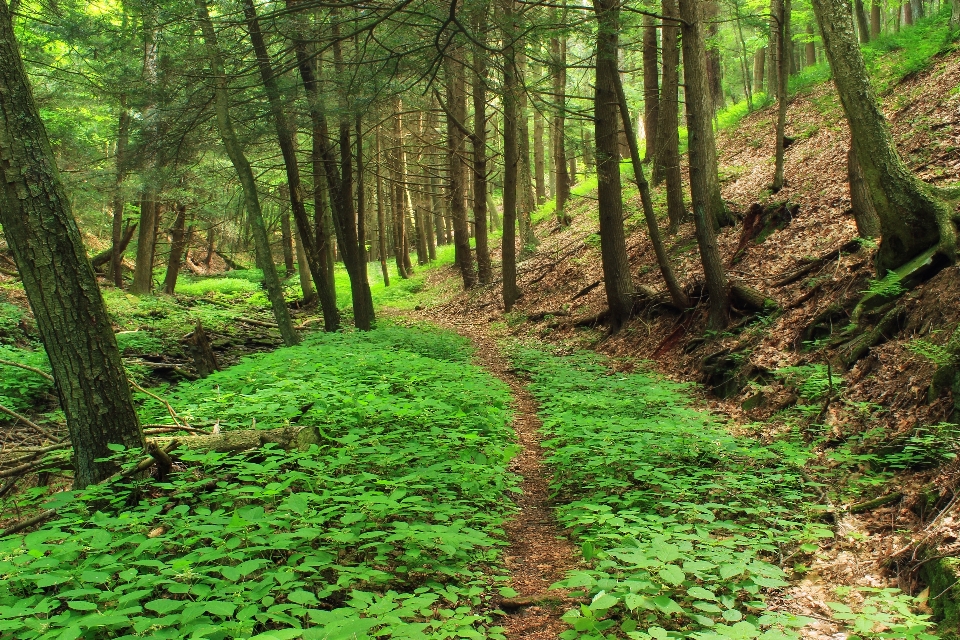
[912, 218]
[613, 251]
[456, 182]
[783, 69]
[667, 157]
[703, 174]
[123, 139]
[651, 86]
[558, 60]
[479, 140]
[245, 174]
[510, 155]
[58, 279]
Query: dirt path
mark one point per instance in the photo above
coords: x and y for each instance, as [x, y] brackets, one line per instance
[539, 554]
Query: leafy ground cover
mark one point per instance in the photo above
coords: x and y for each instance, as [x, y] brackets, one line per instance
[390, 528]
[686, 527]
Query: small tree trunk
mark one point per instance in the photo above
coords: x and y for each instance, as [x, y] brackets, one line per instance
[123, 137]
[286, 237]
[651, 86]
[558, 55]
[907, 13]
[701, 143]
[759, 57]
[204, 359]
[177, 243]
[613, 252]
[539, 166]
[525, 198]
[146, 243]
[783, 38]
[456, 102]
[714, 69]
[811, 47]
[71, 316]
[381, 219]
[484, 267]
[667, 165]
[397, 199]
[247, 180]
[875, 18]
[303, 271]
[863, 26]
[510, 158]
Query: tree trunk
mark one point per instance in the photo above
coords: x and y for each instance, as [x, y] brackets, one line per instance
[303, 271]
[314, 238]
[773, 48]
[246, 177]
[397, 199]
[104, 257]
[286, 237]
[811, 47]
[875, 18]
[907, 13]
[912, 219]
[60, 284]
[667, 166]
[783, 38]
[651, 86]
[539, 166]
[863, 26]
[123, 137]
[456, 103]
[484, 268]
[558, 58]
[868, 225]
[146, 243]
[510, 158]
[711, 10]
[677, 295]
[526, 199]
[177, 243]
[613, 252]
[381, 219]
[702, 171]
[759, 57]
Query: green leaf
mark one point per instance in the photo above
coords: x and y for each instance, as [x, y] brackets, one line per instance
[732, 615]
[81, 605]
[219, 608]
[672, 575]
[163, 606]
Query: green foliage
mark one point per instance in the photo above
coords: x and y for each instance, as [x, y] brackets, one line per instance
[387, 529]
[10, 317]
[404, 294]
[894, 56]
[888, 286]
[811, 381]
[225, 286]
[935, 353]
[681, 520]
[21, 389]
[884, 613]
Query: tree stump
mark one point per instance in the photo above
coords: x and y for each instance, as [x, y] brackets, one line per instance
[204, 359]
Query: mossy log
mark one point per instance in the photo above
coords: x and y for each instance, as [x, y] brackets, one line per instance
[886, 328]
[915, 272]
[876, 503]
[942, 575]
[746, 297]
[287, 438]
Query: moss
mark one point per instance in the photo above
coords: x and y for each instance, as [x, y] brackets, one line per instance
[943, 577]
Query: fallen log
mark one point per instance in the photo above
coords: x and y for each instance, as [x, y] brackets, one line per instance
[812, 263]
[287, 438]
[746, 297]
[869, 505]
[104, 257]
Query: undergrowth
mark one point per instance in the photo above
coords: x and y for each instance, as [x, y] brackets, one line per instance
[389, 528]
[686, 527]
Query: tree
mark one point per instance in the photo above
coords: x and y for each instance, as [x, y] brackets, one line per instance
[703, 174]
[912, 218]
[558, 60]
[245, 175]
[651, 85]
[456, 182]
[783, 71]
[479, 139]
[510, 156]
[667, 157]
[613, 251]
[58, 279]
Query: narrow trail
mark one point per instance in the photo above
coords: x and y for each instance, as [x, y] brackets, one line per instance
[539, 554]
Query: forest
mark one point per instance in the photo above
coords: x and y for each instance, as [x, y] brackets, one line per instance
[355, 319]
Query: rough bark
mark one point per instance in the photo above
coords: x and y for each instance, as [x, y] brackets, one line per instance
[651, 86]
[783, 69]
[868, 224]
[677, 295]
[711, 9]
[484, 267]
[456, 182]
[120, 174]
[702, 173]
[613, 252]
[177, 245]
[201, 350]
[246, 178]
[912, 219]
[558, 58]
[667, 165]
[510, 157]
[57, 277]
[146, 243]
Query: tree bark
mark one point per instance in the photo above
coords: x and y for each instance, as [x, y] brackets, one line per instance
[875, 18]
[177, 244]
[613, 252]
[456, 103]
[811, 47]
[868, 224]
[558, 58]
[667, 157]
[711, 10]
[863, 26]
[245, 175]
[303, 271]
[702, 172]
[510, 157]
[539, 166]
[759, 57]
[526, 199]
[381, 219]
[484, 267]
[146, 243]
[783, 39]
[677, 295]
[286, 237]
[104, 257]
[651, 86]
[57, 277]
[907, 13]
[912, 219]
[123, 138]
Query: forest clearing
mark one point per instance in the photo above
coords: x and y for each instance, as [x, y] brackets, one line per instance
[480, 319]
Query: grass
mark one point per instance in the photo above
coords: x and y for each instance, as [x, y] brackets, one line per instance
[390, 528]
[405, 294]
